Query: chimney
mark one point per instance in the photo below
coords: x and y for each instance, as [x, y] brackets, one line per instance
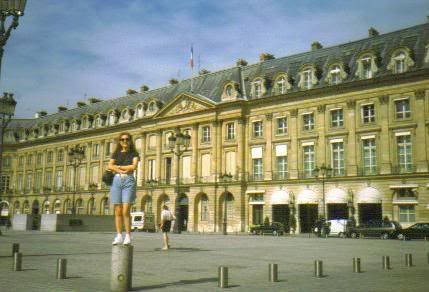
[40, 114]
[204, 71]
[315, 46]
[81, 104]
[131, 91]
[372, 32]
[62, 109]
[241, 62]
[173, 81]
[427, 18]
[144, 88]
[93, 100]
[266, 56]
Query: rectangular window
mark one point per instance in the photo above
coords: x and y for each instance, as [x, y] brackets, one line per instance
[257, 129]
[337, 118]
[369, 157]
[95, 151]
[60, 155]
[38, 181]
[21, 161]
[29, 182]
[403, 110]
[405, 159]
[168, 168]
[282, 126]
[307, 82]
[257, 168]
[230, 131]
[206, 134]
[281, 162]
[108, 148]
[151, 169]
[308, 160]
[59, 179]
[366, 68]
[50, 157]
[337, 158]
[368, 113]
[257, 214]
[7, 161]
[230, 166]
[205, 167]
[29, 160]
[48, 181]
[308, 122]
[19, 182]
[407, 213]
[186, 167]
[39, 159]
[258, 89]
[4, 183]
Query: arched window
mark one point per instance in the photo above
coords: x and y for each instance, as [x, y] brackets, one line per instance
[57, 206]
[26, 207]
[336, 74]
[46, 207]
[139, 111]
[307, 77]
[67, 206]
[16, 209]
[400, 61]
[79, 206]
[367, 66]
[112, 118]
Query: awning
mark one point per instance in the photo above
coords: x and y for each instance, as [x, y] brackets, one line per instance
[336, 196]
[369, 195]
[251, 192]
[256, 203]
[307, 196]
[405, 202]
[404, 186]
[280, 197]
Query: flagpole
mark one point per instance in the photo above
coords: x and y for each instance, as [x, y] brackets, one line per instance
[192, 68]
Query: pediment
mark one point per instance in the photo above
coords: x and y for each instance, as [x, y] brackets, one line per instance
[186, 103]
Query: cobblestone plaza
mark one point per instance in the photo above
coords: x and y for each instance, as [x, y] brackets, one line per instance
[191, 264]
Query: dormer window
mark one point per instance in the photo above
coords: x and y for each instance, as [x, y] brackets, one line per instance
[125, 115]
[85, 123]
[308, 78]
[400, 61]
[230, 91]
[257, 88]
[98, 122]
[112, 118]
[75, 125]
[139, 111]
[281, 84]
[152, 107]
[367, 67]
[427, 54]
[336, 74]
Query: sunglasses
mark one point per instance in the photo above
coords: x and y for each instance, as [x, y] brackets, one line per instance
[124, 139]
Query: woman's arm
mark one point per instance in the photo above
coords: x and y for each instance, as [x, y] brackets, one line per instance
[115, 168]
[129, 168]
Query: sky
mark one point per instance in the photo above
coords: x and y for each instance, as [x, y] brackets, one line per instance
[68, 51]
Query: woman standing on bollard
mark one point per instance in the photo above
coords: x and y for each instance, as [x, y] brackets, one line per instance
[166, 218]
[123, 190]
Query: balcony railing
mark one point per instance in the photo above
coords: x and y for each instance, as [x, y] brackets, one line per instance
[280, 175]
[365, 171]
[305, 174]
[400, 169]
[255, 177]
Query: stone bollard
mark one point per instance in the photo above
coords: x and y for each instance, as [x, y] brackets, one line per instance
[356, 265]
[15, 248]
[273, 272]
[318, 268]
[408, 260]
[61, 268]
[386, 263]
[122, 268]
[222, 280]
[17, 261]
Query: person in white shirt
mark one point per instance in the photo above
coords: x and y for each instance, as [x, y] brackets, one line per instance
[166, 218]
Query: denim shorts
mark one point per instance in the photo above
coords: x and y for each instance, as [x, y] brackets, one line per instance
[123, 189]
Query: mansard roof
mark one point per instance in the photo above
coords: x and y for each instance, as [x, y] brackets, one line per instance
[210, 85]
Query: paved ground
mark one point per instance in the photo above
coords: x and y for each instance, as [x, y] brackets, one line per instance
[191, 265]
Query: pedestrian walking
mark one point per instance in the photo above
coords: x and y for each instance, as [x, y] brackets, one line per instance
[123, 189]
[166, 218]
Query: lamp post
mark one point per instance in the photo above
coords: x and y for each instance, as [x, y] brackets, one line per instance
[178, 144]
[14, 8]
[225, 179]
[7, 110]
[323, 172]
[151, 183]
[76, 155]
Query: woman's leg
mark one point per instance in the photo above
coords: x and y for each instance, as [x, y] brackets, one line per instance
[127, 217]
[118, 218]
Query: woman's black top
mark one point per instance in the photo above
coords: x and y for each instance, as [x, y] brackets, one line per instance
[124, 158]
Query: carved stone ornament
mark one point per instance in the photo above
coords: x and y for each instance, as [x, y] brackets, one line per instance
[269, 116]
[185, 106]
[294, 113]
[420, 94]
[351, 104]
[383, 99]
[321, 108]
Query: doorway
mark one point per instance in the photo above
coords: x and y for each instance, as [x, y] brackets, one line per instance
[308, 215]
[337, 211]
[369, 212]
[183, 213]
[281, 214]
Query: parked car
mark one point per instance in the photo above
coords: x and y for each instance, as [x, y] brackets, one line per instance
[275, 228]
[337, 227]
[141, 221]
[377, 228]
[415, 231]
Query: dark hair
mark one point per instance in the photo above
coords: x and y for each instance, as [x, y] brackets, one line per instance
[131, 147]
[165, 207]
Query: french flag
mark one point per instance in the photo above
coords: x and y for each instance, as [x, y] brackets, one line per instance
[191, 61]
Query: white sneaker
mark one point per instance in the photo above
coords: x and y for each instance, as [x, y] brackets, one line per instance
[127, 239]
[117, 240]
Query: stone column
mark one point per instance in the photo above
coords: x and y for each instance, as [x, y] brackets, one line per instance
[158, 155]
[42, 181]
[88, 165]
[143, 158]
[241, 149]
[321, 146]
[194, 168]
[268, 165]
[386, 163]
[54, 170]
[217, 151]
[66, 171]
[351, 164]
[420, 153]
[294, 147]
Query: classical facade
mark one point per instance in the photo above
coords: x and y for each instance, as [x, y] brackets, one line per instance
[258, 132]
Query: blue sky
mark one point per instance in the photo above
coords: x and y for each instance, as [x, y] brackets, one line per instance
[67, 51]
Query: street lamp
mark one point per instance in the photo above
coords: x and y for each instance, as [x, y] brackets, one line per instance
[152, 183]
[178, 144]
[323, 172]
[7, 110]
[225, 179]
[76, 155]
[14, 8]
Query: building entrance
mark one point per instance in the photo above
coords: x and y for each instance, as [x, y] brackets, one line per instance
[369, 212]
[307, 217]
[337, 211]
[184, 212]
[281, 214]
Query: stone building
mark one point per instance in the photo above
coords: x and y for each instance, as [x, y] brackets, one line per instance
[257, 134]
